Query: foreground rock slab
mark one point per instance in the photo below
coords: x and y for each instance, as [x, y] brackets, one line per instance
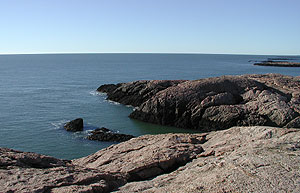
[31, 172]
[146, 156]
[213, 103]
[241, 159]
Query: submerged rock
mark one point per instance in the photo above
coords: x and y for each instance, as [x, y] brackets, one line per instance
[74, 125]
[104, 134]
[214, 103]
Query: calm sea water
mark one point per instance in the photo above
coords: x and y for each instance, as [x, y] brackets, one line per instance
[39, 93]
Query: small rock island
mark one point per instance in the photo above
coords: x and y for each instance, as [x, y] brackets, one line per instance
[280, 62]
[74, 125]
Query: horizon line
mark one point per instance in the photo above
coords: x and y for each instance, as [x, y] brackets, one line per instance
[70, 53]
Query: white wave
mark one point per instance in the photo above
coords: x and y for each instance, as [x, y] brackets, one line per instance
[96, 93]
[136, 108]
[78, 134]
[88, 132]
[130, 106]
[59, 124]
[114, 102]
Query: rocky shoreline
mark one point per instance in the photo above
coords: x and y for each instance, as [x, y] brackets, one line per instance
[241, 157]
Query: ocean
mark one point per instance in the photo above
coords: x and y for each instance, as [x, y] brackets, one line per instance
[39, 93]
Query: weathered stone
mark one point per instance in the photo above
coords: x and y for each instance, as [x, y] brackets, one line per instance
[146, 156]
[9, 157]
[31, 172]
[74, 125]
[240, 159]
[295, 123]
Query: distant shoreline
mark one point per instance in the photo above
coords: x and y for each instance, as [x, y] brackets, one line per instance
[279, 64]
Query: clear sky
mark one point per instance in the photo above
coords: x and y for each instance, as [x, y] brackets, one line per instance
[159, 26]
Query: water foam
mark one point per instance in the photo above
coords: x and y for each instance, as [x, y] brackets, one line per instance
[114, 102]
[130, 106]
[59, 124]
[96, 93]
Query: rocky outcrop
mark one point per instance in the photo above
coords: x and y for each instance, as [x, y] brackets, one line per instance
[31, 172]
[240, 159]
[74, 125]
[213, 103]
[104, 134]
[146, 156]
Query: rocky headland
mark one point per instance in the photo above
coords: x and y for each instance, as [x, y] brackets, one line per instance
[213, 103]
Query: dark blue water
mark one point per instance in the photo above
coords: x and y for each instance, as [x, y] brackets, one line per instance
[38, 93]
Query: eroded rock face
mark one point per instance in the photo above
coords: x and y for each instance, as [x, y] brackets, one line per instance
[214, 103]
[31, 172]
[240, 159]
[146, 156]
[104, 134]
[74, 125]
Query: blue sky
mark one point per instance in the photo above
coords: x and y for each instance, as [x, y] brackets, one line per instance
[159, 26]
